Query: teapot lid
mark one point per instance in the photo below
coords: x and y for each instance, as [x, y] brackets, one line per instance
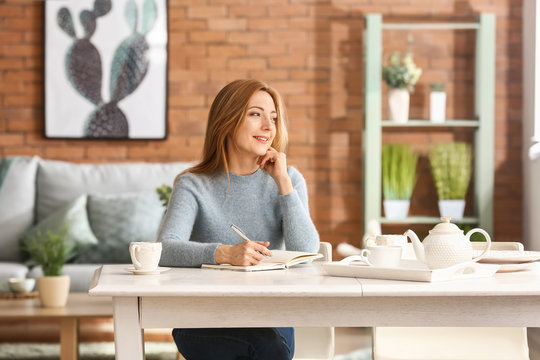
[446, 226]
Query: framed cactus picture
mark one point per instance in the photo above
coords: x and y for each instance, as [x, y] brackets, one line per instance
[106, 69]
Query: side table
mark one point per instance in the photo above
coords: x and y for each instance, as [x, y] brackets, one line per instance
[79, 305]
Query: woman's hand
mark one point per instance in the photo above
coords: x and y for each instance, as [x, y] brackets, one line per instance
[275, 163]
[244, 253]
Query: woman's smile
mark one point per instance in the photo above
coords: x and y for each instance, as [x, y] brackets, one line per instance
[262, 139]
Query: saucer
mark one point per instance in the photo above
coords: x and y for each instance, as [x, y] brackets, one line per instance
[515, 267]
[508, 256]
[157, 271]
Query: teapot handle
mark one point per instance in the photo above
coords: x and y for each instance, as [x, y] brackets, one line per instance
[488, 242]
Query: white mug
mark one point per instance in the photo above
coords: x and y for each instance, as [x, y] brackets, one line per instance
[145, 255]
[387, 240]
[379, 256]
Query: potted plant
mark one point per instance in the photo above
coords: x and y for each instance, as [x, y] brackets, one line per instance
[50, 250]
[451, 169]
[400, 75]
[398, 178]
[437, 103]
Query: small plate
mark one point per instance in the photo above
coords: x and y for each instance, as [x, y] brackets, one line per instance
[508, 256]
[158, 271]
[515, 267]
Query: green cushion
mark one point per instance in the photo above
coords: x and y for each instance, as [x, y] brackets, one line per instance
[74, 218]
[119, 219]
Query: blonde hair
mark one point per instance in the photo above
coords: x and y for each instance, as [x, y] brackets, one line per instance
[227, 114]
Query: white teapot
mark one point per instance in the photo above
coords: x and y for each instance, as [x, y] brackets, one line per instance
[446, 245]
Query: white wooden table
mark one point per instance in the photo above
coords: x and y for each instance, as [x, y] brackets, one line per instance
[305, 296]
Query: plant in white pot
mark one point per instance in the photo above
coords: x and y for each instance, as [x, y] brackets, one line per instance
[451, 165]
[437, 103]
[400, 75]
[398, 178]
[50, 250]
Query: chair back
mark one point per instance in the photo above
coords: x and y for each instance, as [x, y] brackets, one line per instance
[325, 248]
[499, 245]
[408, 250]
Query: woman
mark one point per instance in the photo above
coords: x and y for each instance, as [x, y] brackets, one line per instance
[242, 179]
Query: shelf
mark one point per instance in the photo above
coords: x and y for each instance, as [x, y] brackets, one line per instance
[481, 123]
[427, 123]
[426, 220]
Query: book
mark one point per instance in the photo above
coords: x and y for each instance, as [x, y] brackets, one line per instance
[280, 259]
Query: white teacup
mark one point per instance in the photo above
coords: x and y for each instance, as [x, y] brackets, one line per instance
[380, 256]
[145, 255]
[387, 240]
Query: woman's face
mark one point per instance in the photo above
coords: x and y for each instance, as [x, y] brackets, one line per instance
[258, 128]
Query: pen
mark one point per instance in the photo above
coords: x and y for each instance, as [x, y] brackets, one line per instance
[239, 232]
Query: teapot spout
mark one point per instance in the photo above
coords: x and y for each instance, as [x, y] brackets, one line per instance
[417, 246]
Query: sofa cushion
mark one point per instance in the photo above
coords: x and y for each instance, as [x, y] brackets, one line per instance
[59, 182]
[17, 196]
[10, 270]
[74, 219]
[118, 220]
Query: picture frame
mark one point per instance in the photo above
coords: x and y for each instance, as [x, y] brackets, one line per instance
[106, 69]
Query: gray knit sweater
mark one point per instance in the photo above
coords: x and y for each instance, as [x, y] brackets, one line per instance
[200, 215]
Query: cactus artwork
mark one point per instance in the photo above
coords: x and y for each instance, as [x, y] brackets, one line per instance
[130, 63]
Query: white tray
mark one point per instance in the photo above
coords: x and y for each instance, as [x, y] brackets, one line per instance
[410, 270]
[508, 256]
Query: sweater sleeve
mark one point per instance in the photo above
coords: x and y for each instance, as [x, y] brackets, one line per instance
[176, 228]
[299, 232]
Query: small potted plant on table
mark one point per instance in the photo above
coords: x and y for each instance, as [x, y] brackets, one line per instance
[400, 75]
[451, 169]
[399, 177]
[50, 250]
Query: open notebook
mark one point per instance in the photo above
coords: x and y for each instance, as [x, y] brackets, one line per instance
[280, 259]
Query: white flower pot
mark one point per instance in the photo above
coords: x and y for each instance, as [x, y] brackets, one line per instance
[452, 208]
[398, 102]
[396, 209]
[53, 290]
[437, 106]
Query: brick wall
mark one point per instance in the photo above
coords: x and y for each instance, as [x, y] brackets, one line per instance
[310, 50]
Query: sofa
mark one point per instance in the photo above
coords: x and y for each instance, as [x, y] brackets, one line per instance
[104, 207]
[101, 208]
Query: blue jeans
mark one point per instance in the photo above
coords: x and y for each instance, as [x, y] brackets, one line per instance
[235, 344]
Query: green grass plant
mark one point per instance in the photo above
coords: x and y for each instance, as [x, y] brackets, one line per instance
[50, 250]
[451, 165]
[398, 171]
